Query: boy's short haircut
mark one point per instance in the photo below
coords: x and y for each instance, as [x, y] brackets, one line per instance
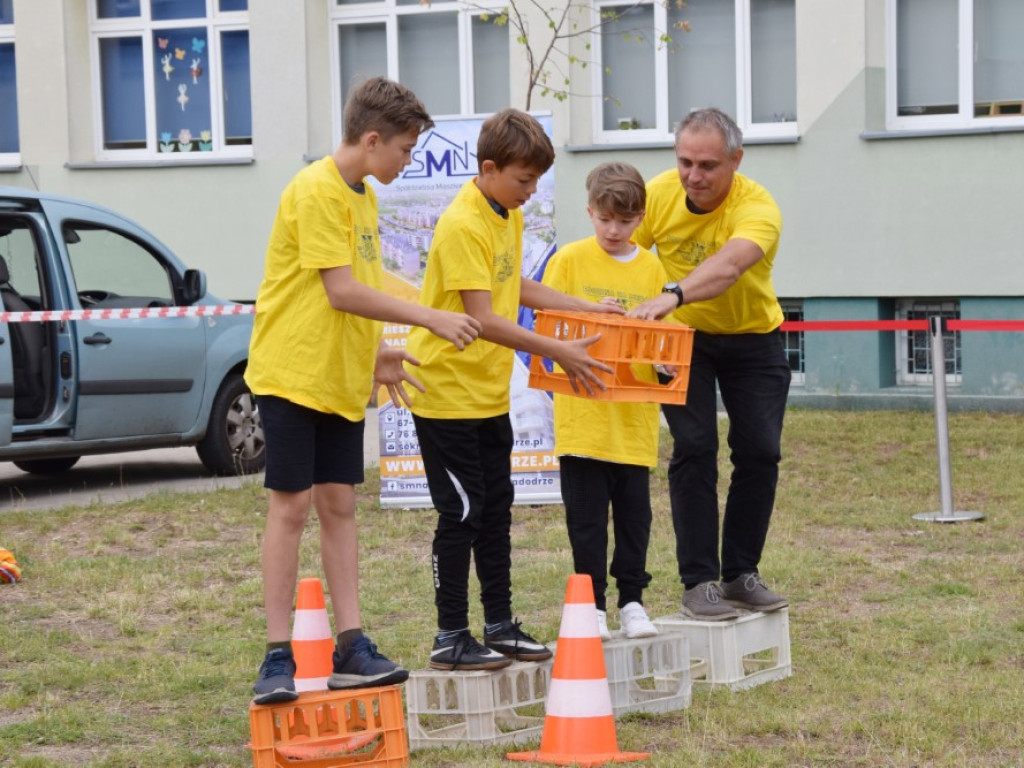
[384, 106]
[616, 188]
[513, 137]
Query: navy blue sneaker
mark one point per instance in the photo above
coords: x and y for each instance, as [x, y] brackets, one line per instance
[362, 666]
[277, 678]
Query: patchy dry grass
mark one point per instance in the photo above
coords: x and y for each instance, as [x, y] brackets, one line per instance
[136, 633]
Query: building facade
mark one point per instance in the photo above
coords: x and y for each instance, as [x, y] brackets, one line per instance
[887, 130]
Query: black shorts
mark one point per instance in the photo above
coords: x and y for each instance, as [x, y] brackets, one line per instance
[307, 447]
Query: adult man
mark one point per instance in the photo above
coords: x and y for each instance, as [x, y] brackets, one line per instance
[717, 233]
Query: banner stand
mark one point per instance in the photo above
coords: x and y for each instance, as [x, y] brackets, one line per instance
[947, 514]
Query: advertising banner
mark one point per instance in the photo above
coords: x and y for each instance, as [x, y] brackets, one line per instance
[443, 160]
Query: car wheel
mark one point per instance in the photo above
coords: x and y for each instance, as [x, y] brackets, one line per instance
[47, 466]
[233, 444]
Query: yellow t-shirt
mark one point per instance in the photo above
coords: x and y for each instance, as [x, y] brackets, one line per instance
[474, 249]
[303, 349]
[625, 433]
[685, 239]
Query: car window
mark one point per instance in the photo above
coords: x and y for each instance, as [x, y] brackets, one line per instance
[18, 250]
[109, 267]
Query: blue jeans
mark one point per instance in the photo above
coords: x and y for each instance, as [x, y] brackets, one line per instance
[753, 377]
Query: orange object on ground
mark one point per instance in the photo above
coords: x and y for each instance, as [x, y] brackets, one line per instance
[312, 641]
[624, 343]
[362, 727]
[579, 726]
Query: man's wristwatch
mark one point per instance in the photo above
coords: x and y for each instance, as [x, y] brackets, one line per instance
[674, 288]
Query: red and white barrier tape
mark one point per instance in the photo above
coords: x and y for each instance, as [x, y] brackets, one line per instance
[126, 313]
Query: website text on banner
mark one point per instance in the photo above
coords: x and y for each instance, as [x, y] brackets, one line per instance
[442, 162]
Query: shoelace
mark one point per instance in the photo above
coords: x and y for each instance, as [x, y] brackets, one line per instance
[752, 581]
[364, 647]
[465, 643]
[713, 592]
[277, 665]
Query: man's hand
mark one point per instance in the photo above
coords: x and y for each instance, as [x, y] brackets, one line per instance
[456, 327]
[655, 308]
[578, 365]
[390, 372]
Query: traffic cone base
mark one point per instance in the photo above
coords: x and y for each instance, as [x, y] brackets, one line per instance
[579, 726]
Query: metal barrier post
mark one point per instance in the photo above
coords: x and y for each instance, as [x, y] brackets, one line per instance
[947, 513]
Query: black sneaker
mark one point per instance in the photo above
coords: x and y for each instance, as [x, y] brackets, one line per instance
[276, 682]
[510, 640]
[362, 666]
[463, 651]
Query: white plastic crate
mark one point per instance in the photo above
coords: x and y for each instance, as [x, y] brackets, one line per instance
[739, 653]
[647, 674]
[503, 706]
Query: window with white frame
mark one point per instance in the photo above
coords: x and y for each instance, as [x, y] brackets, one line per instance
[9, 143]
[793, 341]
[661, 60]
[171, 79]
[914, 365]
[954, 64]
[453, 55]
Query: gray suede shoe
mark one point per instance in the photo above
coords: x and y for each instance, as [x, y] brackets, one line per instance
[707, 603]
[749, 591]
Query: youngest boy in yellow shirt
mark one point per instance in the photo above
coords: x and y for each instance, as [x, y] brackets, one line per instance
[606, 449]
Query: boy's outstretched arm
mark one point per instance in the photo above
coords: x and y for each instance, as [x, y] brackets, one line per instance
[572, 356]
[536, 295]
[347, 294]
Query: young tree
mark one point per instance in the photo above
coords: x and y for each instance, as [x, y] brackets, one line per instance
[546, 49]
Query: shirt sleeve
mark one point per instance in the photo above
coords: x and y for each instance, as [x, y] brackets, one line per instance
[324, 226]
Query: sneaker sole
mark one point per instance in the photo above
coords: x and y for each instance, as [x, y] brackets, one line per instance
[525, 655]
[710, 616]
[481, 665]
[643, 633]
[275, 697]
[339, 682]
[762, 608]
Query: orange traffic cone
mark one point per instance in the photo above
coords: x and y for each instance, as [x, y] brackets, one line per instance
[579, 727]
[312, 642]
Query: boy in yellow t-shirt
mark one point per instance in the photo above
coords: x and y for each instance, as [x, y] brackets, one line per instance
[606, 449]
[314, 359]
[462, 419]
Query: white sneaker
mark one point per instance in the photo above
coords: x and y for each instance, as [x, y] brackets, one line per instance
[602, 625]
[635, 622]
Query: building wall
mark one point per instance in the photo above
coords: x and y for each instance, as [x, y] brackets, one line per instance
[868, 218]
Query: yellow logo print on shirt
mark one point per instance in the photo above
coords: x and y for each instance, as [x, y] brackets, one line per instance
[503, 263]
[367, 247]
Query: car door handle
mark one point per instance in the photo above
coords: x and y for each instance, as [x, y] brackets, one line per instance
[97, 338]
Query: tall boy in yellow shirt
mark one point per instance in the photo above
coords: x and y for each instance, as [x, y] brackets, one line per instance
[606, 449]
[462, 419]
[314, 359]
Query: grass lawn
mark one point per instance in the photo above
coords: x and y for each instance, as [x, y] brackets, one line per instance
[135, 635]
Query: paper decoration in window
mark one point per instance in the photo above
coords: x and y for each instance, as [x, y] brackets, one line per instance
[182, 95]
[167, 66]
[196, 70]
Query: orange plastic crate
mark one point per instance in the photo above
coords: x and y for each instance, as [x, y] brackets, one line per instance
[624, 342]
[331, 729]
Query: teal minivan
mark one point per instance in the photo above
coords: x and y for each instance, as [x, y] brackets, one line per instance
[98, 382]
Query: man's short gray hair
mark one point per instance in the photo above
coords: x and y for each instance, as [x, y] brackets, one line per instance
[712, 117]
